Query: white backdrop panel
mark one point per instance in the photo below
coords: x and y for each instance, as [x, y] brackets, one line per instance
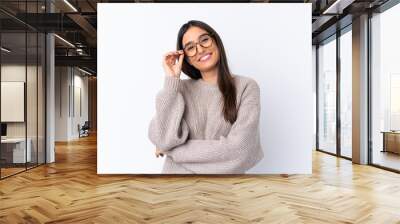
[268, 42]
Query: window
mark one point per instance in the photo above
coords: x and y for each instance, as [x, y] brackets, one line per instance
[385, 89]
[346, 94]
[327, 96]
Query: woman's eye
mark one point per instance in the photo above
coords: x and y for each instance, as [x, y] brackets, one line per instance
[189, 48]
[204, 40]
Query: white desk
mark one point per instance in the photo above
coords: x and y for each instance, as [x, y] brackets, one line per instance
[19, 149]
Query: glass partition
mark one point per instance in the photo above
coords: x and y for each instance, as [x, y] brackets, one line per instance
[22, 101]
[327, 96]
[346, 94]
[14, 153]
[41, 91]
[32, 95]
[385, 89]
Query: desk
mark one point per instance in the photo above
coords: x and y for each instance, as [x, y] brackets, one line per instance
[17, 150]
[391, 141]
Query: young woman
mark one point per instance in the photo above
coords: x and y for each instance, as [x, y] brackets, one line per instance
[208, 124]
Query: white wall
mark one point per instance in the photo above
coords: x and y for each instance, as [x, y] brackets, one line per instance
[261, 41]
[17, 72]
[68, 81]
[61, 103]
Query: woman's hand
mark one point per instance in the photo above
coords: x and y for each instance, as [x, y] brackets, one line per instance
[159, 153]
[172, 63]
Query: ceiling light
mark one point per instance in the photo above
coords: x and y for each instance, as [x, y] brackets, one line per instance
[64, 40]
[84, 71]
[70, 5]
[338, 6]
[5, 50]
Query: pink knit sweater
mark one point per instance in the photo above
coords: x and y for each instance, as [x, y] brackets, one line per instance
[190, 129]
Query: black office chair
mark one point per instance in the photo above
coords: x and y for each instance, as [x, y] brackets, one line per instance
[84, 130]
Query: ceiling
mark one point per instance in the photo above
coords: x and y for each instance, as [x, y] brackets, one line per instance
[76, 22]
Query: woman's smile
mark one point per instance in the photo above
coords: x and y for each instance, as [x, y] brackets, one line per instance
[205, 57]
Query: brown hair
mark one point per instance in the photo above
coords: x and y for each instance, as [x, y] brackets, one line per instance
[225, 80]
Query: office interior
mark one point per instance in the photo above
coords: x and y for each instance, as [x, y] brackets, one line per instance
[49, 77]
[46, 82]
[335, 74]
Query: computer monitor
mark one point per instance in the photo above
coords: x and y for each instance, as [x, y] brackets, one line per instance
[3, 129]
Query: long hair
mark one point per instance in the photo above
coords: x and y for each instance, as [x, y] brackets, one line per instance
[225, 80]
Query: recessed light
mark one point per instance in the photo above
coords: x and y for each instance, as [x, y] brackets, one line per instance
[64, 40]
[70, 5]
[84, 71]
[5, 50]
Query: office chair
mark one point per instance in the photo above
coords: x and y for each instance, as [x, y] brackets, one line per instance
[84, 130]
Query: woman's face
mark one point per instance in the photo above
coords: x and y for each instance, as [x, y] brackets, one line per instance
[205, 57]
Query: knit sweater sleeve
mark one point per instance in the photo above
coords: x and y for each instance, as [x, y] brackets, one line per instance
[167, 128]
[236, 152]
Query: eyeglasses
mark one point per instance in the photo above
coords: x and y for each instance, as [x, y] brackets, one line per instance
[205, 41]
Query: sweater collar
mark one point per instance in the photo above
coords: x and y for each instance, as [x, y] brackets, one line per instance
[207, 84]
